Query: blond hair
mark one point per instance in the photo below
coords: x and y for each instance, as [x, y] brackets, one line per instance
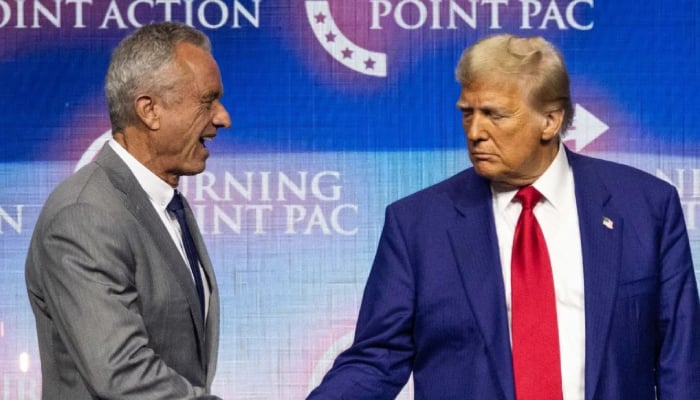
[532, 61]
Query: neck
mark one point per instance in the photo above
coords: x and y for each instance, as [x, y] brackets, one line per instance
[135, 143]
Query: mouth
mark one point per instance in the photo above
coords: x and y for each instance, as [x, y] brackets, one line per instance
[480, 156]
[204, 139]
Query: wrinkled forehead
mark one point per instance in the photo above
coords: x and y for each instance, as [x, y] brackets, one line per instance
[194, 57]
[197, 64]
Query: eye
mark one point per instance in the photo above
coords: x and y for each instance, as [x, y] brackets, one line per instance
[208, 104]
[209, 99]
[493, 115]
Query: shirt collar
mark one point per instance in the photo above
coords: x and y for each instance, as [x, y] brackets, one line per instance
[549, 183]
[159, 192]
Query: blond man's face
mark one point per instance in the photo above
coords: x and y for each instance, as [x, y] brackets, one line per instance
[510, 143]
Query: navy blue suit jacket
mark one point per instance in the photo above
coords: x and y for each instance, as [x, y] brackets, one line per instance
[434, 303]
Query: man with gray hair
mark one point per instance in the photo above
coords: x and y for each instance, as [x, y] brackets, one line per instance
[122, 289]
[537, 274]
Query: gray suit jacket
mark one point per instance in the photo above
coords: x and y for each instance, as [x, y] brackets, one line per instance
[116, 309]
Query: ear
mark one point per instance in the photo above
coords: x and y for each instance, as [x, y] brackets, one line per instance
[148, 111]
[552, 124]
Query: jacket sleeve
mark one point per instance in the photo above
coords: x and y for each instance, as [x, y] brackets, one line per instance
[678, 368]
[89, 292]
[379, 362]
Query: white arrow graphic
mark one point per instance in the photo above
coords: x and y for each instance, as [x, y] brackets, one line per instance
[585, 128]
[339, 46]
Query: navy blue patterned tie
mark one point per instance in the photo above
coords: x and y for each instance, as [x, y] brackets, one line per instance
[175, 206]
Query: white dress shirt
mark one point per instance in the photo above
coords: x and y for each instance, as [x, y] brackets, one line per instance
[558, 217]
[160, 193]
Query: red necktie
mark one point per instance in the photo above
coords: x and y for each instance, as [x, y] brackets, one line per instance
[536, 363]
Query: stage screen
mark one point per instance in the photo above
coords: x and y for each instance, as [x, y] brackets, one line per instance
[338, 108]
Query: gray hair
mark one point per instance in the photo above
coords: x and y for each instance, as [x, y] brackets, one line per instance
[138, 65]
[533, 61]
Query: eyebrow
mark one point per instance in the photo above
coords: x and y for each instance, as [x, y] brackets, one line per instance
[499, 108]
[211, 95]
[463, 106]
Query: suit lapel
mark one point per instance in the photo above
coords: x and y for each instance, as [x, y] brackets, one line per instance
[137, 202]
[601, 244]
[480, 269]
[479, 265]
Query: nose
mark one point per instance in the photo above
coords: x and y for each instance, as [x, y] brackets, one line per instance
[221, 119]
[474, 127]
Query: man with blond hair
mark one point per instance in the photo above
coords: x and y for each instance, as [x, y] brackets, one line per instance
[537, 274]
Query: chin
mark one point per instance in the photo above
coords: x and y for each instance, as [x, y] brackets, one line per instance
[497, 178]
[194, 169]
[484, 171]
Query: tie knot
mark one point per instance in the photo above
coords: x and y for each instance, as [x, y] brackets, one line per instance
[176, 203]
[528, 196]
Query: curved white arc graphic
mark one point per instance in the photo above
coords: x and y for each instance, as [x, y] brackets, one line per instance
[325, 363]
[93, 149]
[338, 45]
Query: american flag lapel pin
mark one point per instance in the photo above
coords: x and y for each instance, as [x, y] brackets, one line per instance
[608, 223]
